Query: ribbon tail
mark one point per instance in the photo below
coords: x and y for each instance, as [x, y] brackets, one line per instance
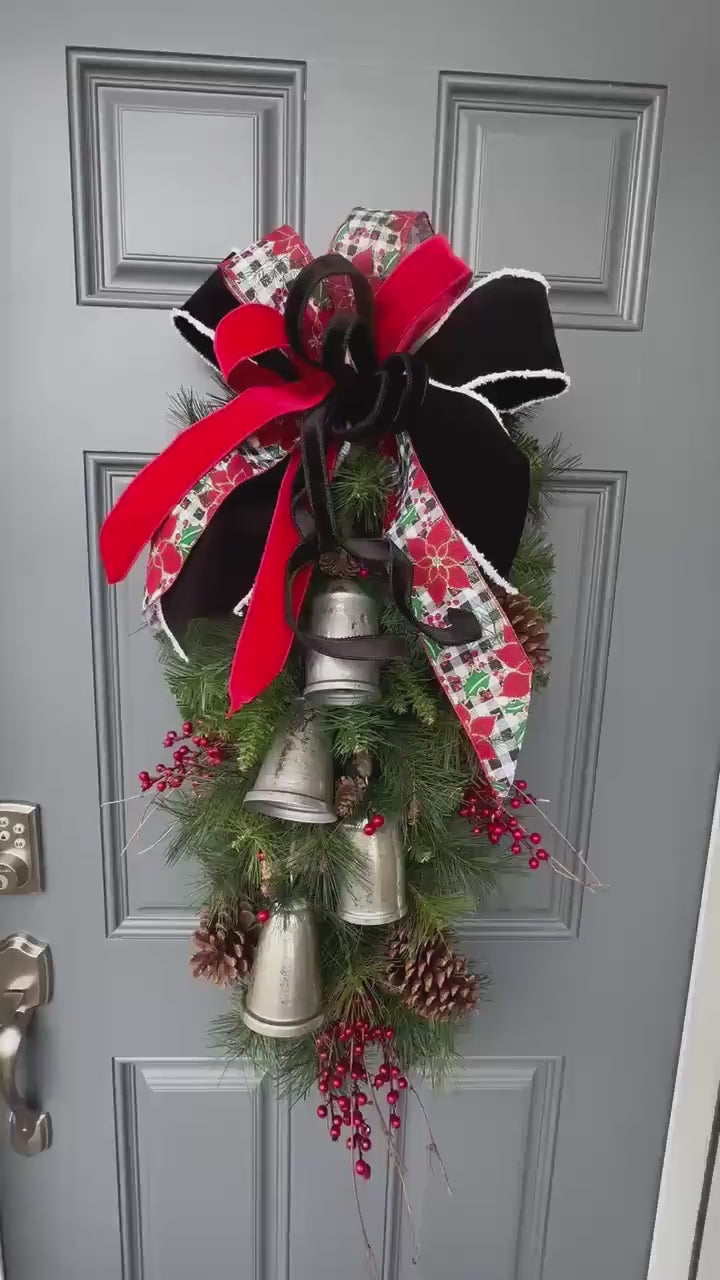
[266, 637]
[165, 481]
[486, 681]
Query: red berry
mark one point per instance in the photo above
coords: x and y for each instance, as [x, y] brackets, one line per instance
[378, 821]
[516, 848]
[362, 1099]
[322, 1111]
[378, 1082]
[535, 837]
[369, 829]
[365, 1144]
[187, 728]
[176, 782]
[521, 785]
[395, 1072]
[389, 1033]
[323, 1086]
[393, 1097]
[543, 855]
[334, 1135]
[263, 915]
[402, 1082]
[360, 1167]
[336, 1082]
[363, 572]
[534, 863]
[349, 1143]
[161, 785]
[515, 802]
[395, 1121]
[464, 811]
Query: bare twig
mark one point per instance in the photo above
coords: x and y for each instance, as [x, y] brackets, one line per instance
[399, 1169]
[159, 840]
[148, 811]
[433, 1149]
[372, 1261]
[589, 880]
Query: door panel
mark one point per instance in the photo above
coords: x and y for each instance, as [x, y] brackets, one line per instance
[538, 135]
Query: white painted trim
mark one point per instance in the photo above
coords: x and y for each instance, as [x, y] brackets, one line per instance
[696, 1088]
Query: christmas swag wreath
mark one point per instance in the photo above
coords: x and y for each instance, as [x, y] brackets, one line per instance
[350, 582]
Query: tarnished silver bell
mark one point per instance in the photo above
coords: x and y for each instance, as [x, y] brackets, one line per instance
[284, 995]
[373, 892]
[295, 780]
[342, 609]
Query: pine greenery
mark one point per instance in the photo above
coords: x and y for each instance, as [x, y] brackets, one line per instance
[421, 761]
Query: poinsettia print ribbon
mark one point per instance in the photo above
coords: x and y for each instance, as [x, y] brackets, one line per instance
[216, 506]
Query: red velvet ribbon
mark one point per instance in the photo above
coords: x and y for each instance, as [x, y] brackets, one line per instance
[410, 300]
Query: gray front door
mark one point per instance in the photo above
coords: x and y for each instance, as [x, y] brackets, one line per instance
[540, 136]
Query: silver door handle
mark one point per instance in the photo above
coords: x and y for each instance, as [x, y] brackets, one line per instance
[25, 985]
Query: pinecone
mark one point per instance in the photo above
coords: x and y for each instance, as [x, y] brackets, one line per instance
[338, 564]
[529, 626]
[225, 947]
[348, 794]
[431, 980]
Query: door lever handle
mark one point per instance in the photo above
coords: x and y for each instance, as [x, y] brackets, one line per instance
[25, 985]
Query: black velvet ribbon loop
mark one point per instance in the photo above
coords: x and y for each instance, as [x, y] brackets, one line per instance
[368, 401]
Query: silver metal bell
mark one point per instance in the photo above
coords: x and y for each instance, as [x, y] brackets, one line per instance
[284, 995]
[342, 609]
[374, 891]
[295, 780]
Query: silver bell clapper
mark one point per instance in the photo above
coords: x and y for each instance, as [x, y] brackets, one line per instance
[295, 780]
[340, 610]
[284, 994]
[373, 893]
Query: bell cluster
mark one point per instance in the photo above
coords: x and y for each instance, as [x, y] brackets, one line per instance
[295, 783]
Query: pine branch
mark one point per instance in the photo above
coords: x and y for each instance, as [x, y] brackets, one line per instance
[360, 489]
[187, 406]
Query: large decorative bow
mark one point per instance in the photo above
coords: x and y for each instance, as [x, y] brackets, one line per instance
[386, 339]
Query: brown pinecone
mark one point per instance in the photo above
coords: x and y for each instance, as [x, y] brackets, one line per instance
[348, 794]
[225, 947]
[338, 564]
[529, 626]
[432, 980]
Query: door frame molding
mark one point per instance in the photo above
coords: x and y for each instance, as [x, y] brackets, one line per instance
[688, 1151]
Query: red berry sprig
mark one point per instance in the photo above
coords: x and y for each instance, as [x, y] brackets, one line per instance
[489, 814]
[187, 763]
[342, 1071]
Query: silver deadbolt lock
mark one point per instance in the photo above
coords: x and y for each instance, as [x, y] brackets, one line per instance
[19, 848]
